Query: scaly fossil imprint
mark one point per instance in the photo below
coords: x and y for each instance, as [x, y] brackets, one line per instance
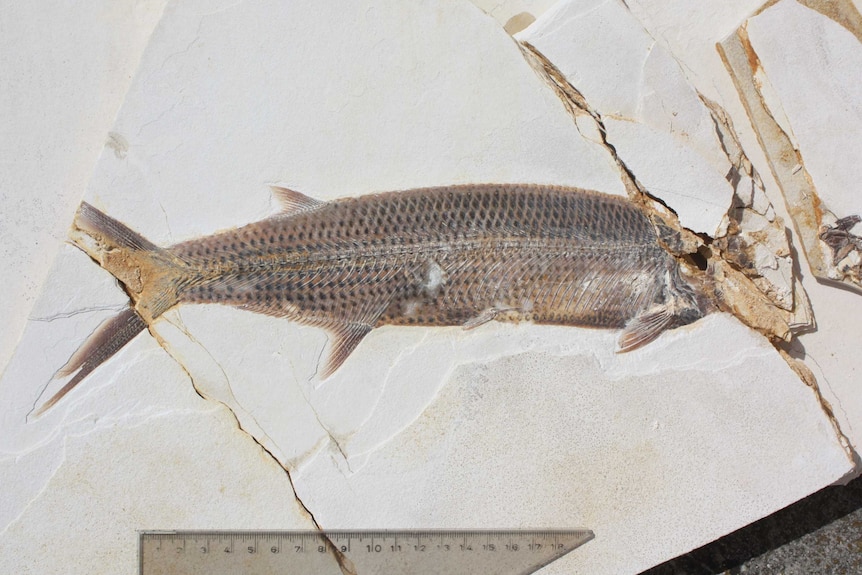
[458, 255]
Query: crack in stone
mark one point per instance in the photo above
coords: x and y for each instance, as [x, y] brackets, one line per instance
[42, 490]
[344, 564]
[739, 245]
[748, 300]
[808, 378]
[325, 428]
[403, 352]
[73, 313]
[576, 104]
[829, 385]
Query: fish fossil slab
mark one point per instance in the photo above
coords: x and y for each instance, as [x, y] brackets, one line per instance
[458, 255]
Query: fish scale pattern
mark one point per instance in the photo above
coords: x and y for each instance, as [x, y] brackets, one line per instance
[439, 256]
[455, 255]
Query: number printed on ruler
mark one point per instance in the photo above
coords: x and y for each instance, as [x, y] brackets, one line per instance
[360, 552]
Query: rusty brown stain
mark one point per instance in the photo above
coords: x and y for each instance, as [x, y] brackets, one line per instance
[808, 216]
[785, 162]
[768, 4]
[808, 378]
[751, 55]
[843, 12]
[518, 22]
[737, 294]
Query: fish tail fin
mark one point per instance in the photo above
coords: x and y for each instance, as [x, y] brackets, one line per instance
[102, 344]
[152, 276]
[94, 221]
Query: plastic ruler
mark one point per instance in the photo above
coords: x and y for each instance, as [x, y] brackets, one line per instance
[354, 552]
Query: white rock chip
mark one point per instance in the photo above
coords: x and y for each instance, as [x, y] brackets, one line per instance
[824, 111]
[822, 117]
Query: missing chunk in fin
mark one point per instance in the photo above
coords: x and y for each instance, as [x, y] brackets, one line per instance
[102, 344]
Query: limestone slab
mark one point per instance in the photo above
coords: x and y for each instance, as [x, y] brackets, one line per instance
[651, 114]
[505, 426]
[64, 71]
[819, 184]
[809, 49]
[573, 434]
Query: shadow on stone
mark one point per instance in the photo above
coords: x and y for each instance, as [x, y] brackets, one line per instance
[820, 534]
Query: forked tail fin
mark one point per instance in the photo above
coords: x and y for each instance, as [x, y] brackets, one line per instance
[107, 340]
[94, 221]
[152, 277]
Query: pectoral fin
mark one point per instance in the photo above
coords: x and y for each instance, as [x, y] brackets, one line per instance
[644, 328]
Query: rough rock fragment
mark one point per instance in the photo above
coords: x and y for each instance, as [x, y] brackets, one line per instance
[756, 241]
[792, 119]
[677, 155]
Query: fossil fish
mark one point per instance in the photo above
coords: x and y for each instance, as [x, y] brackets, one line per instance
[459, 255]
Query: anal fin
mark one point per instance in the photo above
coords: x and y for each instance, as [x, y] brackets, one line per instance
[344, 335]
[344, 339]
[644, 328]
[345, 331]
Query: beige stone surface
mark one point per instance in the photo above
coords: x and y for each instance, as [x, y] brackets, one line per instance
[215, 421]
[64, 71]
[822, 118]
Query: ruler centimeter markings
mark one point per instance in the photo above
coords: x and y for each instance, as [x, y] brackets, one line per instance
[362, 552]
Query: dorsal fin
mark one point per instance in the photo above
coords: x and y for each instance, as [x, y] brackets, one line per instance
[293, 202]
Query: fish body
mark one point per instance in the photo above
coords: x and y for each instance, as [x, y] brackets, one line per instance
[458, 255]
